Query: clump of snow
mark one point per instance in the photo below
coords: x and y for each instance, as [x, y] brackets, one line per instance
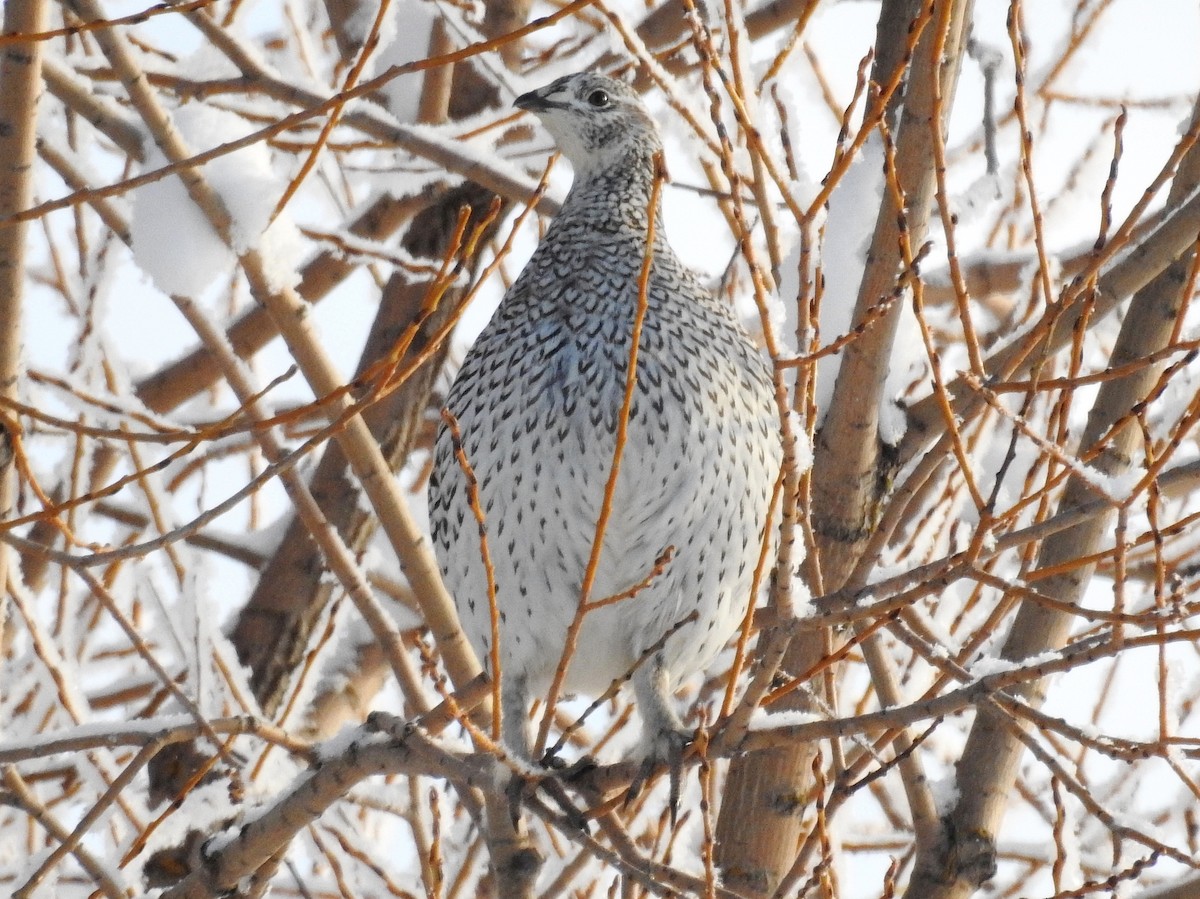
[761, 719]
[207, 63]
[852, 213]
[360, 23]
[853, 209]
[281, 246]
[893, 420]
[989, 665]
[777, 314]
[944, 791]
[398, 46]
[173, 241]
[346, 740]
[801, 595]
[802, 446]
[978, 198]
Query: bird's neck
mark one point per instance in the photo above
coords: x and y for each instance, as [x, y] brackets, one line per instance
[616, 197]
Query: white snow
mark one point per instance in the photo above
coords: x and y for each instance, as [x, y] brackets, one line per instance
[764, 720]
[945, 794]
[893, 421]
[802, 446]
[989, 665]
[853, 209]
[98, 731]
[94, 322]
[402, 43]
[173, 241]
[979, 198]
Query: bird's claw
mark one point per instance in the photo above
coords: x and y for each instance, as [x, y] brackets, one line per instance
[552, 761]
[515, 793]
[668, 749]
[522, 785]
[570, 771]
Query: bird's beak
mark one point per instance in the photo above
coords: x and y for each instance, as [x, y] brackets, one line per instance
[534, 101]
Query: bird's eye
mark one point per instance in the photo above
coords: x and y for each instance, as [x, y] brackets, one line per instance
[598, 98]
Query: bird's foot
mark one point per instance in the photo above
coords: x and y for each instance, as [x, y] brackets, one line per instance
[518, 788]
[569, 771]
[524, 784]
[666, 747]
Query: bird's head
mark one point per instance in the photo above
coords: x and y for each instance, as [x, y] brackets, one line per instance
[596, 121]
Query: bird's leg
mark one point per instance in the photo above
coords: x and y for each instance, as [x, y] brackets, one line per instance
[515, 731]
[514, 699]
[514, 728]
[663, 735]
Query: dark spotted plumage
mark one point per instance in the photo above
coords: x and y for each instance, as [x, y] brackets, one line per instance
[538, 400]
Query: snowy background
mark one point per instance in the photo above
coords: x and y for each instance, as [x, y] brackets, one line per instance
[99, 321]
